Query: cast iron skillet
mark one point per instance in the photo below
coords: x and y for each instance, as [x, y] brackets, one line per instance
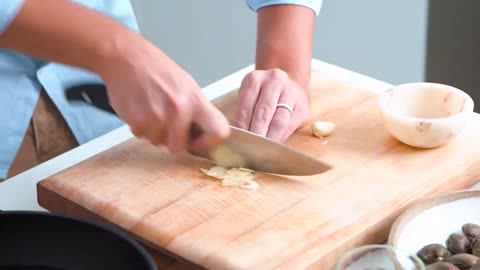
[44, 241]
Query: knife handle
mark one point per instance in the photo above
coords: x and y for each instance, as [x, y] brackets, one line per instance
[93, 94]
[96, 94]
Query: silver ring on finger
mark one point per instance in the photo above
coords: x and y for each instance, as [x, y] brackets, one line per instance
[286, 107]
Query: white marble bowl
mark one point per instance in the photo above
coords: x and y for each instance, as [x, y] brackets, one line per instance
[433, 220]
[425, 115]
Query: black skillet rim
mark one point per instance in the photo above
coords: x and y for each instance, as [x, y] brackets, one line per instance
[109, 229]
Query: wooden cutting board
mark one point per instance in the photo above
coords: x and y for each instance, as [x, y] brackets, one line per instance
[289, 222]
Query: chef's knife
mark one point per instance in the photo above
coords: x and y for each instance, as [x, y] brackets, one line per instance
[251, 150]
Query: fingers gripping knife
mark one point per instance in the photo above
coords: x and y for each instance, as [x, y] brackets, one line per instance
[241, 149]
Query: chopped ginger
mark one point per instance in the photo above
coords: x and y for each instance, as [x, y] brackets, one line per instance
[235, 177]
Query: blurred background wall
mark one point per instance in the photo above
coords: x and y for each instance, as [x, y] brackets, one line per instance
[391, 40]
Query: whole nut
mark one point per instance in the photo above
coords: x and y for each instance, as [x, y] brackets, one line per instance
[463, 260]
[476, 246]
[458, 243]
[433, 253]
[471, 230]
[442, 266]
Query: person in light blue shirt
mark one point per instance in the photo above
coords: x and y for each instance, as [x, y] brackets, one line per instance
[47, 46]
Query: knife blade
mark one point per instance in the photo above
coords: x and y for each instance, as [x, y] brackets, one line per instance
[241, 149]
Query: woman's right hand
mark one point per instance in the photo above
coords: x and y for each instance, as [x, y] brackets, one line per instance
[158, 99]
[149, 91]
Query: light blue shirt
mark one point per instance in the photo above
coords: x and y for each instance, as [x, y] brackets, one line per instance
[23, 77]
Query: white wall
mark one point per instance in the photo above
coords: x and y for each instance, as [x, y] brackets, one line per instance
[213, 38]
[385, 39]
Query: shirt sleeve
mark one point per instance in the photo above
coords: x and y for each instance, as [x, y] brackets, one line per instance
[315, 5]
[8, 11]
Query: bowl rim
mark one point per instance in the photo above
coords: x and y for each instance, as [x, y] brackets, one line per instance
[423, 205]
[466, 110]
[390, 248]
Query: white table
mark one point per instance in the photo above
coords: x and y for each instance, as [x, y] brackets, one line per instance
[19, 192]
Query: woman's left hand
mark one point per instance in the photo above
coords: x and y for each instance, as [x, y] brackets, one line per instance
[271, 104]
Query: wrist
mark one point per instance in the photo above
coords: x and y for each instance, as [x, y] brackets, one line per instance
[299, 75]
[114, 51]
[301, 78]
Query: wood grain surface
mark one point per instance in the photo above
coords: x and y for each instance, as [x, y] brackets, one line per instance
[289, 222]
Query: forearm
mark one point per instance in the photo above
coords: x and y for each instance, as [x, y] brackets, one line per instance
[60, 31]
[284, 40]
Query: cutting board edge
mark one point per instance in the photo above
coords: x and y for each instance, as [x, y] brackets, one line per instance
[49, 200]
[379, 231]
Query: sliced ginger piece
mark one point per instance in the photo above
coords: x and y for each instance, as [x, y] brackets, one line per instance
[249, 185]
[234, 177]
[223, 156]
[233, 181]
[236, 172]
[216, 172]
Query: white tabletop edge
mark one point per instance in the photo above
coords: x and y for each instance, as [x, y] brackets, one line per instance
[19, 192]
[351, 77]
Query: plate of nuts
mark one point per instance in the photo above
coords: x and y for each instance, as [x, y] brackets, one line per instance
[443, 231]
